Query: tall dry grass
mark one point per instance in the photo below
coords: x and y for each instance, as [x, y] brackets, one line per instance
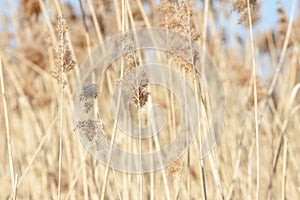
[41, 155]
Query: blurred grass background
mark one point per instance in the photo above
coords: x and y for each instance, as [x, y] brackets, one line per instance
[30, 108]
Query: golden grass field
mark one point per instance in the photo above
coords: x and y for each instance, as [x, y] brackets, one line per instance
[43, 44]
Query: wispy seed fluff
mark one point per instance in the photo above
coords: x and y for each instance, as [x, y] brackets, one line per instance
[135, 80]
[63, 55]
[241, 7]
[134, 87]
[178, 17]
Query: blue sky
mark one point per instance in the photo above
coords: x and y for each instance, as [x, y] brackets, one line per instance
[268, 11]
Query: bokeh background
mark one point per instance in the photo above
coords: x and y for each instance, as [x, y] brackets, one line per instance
[41, 155]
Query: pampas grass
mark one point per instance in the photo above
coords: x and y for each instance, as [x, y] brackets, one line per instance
[41, 155]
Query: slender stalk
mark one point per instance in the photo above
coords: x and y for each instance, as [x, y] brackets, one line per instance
[118, 186]
[110, 150]
[47, 21]
[8, 139]
[204, 33]
[117, 109]
[250, 154]
[36, 152]
[15, 191]
[77, 174]
[199, 113]
[145, 18]
[140, 152]
[117, 10]
[185, 103]
[236, 170]
[255, 100]
[216, 176]
[62, 67]
[95, 21]
[157, 146]
[284, 169]
[279, 66]
[84, 175]
[60, 135]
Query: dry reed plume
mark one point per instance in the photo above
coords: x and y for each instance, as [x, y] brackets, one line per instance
[41, 155]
